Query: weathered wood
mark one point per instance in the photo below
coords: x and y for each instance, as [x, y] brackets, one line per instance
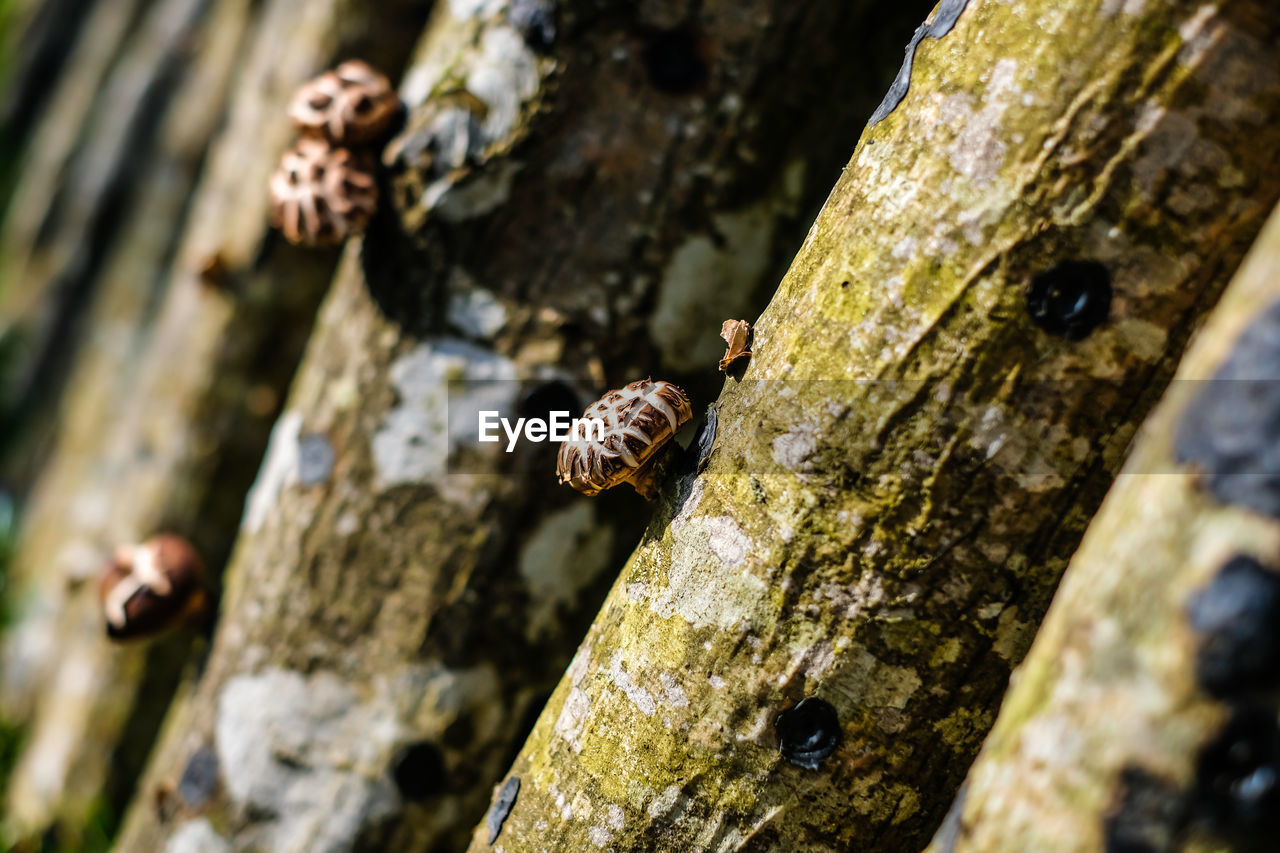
[76, 167]
[908, 461]
[1102, 739]
[175, 391]
[636, 175]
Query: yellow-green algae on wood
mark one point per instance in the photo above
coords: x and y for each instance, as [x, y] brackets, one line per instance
[1109, 692]
[908, 461]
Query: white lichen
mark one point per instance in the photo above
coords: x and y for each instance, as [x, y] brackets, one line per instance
[279, 470]
[433, 417]
[197, 836]
[712, 278]
[641, 698]
[567, 551]
[309, 752]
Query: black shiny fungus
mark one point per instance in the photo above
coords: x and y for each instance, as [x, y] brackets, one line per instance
[676, 61]
[501, 808]
[547, 397]
[706, 437]
[1145, 815]
[1070, 299]
[199, 778]
[1236, 617]
[808, 732]
[944, 19]
[1228, 431]
[1237, 787]
[419, 770]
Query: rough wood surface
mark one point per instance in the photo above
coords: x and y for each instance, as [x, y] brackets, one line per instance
[907, 463]
[633, 178]
[1102, 740]
[177, 383]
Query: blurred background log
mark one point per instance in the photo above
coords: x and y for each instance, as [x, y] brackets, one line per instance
[1144, 717]
[931, 414]
[147, 386]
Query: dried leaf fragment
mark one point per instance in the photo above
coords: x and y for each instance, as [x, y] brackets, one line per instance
[735, 334]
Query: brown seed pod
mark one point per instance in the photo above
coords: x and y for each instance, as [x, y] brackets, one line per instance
[640, 421]
[353, 104]
[150, 587]
[321, 195]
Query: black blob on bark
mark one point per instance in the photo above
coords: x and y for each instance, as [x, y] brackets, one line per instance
[199, 779]
[808, 732]
[1237, 619]
[502, 807]
[705, 440]
[418, 770]
[1228, 432]
[1145, 816]
[676, 61]
[548, 397]
[1070, 299]
[1237, 788]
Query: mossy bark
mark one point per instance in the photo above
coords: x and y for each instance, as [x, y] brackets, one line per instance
[908, 461]
[634, 175]
[1103, 736]
[175, 373]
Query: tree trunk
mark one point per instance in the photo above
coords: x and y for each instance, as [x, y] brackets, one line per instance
[1158, 654]
[178, 376]
[634, 177]
[897, 481]
[91, 126]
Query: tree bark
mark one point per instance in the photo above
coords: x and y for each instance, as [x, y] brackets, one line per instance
[1109, 732]
[898, 479]
[635, 176]
[179, 376]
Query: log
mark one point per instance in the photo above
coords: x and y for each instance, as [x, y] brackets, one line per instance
[174, 395]
[632, 178]
[1147, 702]
[811, 641]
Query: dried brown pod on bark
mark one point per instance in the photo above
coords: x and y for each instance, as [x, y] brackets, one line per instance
[150, 587]
[640, 421]
[320, 195]
[735, 334]
[353, 104]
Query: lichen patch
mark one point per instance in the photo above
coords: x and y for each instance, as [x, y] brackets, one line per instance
[978, 152]
[573, 717]
[279, 469]
[308, 751]
[567, 551]
[641, 698]
[711, 277]
[428, 423]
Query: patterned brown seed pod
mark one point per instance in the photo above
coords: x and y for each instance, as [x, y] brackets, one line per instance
[353, 104]
[640, 421]
[149, 587]
[321, 195]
